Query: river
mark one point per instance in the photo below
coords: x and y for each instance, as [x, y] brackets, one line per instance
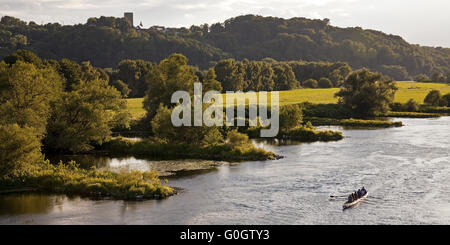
[406, 171]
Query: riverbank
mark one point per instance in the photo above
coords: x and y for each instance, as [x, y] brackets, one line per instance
[70, 179]
[320, 121]
[155, 150]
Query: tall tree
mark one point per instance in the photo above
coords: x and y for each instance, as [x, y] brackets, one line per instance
[172, 74]
[26, 93]
[367, 93]
[85, 116]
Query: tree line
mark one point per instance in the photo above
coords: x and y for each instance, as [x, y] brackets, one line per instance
[107, 40]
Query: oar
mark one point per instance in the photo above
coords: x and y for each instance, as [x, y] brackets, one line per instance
[332, 196]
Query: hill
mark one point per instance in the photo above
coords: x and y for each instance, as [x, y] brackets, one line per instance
[105, 41]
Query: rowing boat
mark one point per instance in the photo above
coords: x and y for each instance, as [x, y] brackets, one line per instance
[351, 204]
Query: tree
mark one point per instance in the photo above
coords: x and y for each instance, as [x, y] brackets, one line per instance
[25, 56]
[447, 98]
[310, 83]
[209, 82]
[172, 74]
[422, 78]
[236, 139]
[366, 93]
[121, 87]
[26, 93]
[199, 135]
[134, 74]
[85, 116]
[71, 71]
[411, 105]
[284, 77]
[433, 98]
[290, 117]
[230, 75]
[19, 148]
[325, 83]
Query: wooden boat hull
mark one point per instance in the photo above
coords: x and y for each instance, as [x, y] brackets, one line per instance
[359, 200]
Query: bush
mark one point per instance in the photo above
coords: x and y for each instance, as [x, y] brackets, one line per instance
[411, 106]
[310, 83]
[447, 98]
[325, 110]
[433, 98]
[68, 178]
[19, 147]
[306, 134]
[290, 117]
[325, 83]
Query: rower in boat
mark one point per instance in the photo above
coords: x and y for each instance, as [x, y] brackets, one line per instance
[356, 197]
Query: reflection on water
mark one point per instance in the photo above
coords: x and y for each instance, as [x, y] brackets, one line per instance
[117, 164]
[25, 203]
[406, 170]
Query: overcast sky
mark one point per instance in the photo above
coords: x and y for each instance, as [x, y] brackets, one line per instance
[425, 22]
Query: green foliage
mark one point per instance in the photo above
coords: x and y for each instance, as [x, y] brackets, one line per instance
[308, 134]
[199, 135]
[26, 93]
[19, 148]
[433, 98]
[171, 74]
[412, 114]
[290, 117]
[321, 121]
[84, 116]
[107, 40]
[422, 78]
[284, 78]
[209, 82]
[236, 139]
[68, 178]
[231, 75]
[121, 87]
[310, 83]
[325, 83]
[24, 56]
[411, 106]
[241, 150]
[367, 94]
[325, 110]
[447, 98]
[134, 73]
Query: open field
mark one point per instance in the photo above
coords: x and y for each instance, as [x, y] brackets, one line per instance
[406, 91]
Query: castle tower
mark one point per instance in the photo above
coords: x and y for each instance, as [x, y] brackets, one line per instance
[129, 17]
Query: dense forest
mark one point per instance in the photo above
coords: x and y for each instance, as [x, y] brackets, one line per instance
[106, 41]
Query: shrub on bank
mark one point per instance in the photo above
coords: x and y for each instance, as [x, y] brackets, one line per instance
[151, 148]
[316, 121]
[306, 134]
[68, 178]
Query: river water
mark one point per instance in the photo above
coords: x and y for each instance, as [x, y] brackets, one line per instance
[406, 171]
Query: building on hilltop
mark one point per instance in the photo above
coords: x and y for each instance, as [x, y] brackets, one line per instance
[129, 16]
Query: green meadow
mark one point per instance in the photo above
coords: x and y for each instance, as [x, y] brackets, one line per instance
[406, 91]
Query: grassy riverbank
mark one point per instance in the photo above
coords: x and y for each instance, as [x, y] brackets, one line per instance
[320, 121]
[68, 178]
[156, 150]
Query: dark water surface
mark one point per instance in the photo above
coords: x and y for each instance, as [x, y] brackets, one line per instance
[406, 170]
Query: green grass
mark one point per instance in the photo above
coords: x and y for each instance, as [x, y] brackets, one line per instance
[412, 114]
[407, 90]
[69, 178]
[136, 108]
[155, 150]
[418, 91]
[320, 121]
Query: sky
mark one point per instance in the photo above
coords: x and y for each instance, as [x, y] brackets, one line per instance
[424, 22]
